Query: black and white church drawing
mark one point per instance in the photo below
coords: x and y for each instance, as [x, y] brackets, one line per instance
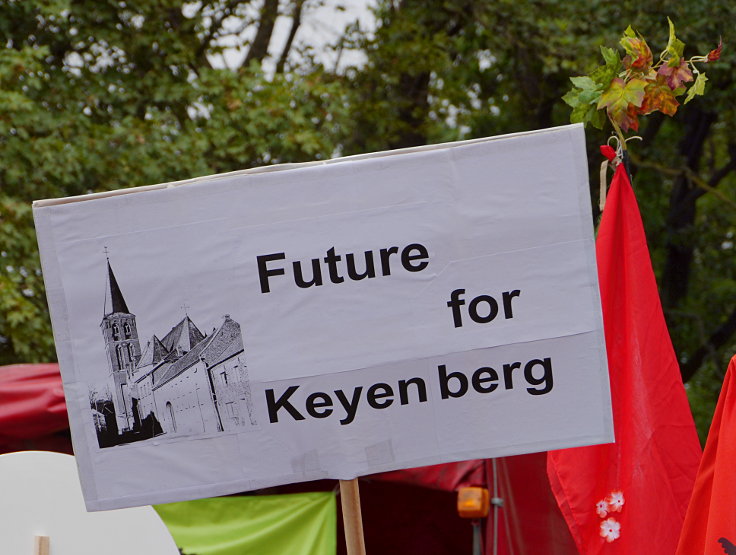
[186, 383]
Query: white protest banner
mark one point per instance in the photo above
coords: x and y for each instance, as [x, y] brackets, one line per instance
[328, 320]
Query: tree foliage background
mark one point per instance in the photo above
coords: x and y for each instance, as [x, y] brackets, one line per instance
[97, 95]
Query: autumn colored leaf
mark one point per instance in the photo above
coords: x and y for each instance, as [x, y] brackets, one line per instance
[659, 96]
[619, 98]
[638, 55]
[675, 47]
[676, 76]
[715, 54]
[625, 88]
[697, 88]
[630, 120]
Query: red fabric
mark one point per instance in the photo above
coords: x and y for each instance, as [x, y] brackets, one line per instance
[445, 477]
[656, 454]
[529, 521]
[608, 152]
[712, 511]
[31, 402]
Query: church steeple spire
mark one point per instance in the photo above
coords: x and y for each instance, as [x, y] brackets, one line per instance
[123, 351]
[116, 301]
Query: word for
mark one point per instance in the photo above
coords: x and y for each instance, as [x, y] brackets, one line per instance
[413, 258]
[483, 308]
[381, 395]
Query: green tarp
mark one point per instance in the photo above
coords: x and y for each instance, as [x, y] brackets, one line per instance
[299, 524]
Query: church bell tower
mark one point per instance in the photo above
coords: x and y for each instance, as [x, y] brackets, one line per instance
[122, 348]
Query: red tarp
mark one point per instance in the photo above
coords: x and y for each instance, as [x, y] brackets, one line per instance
[31, 402]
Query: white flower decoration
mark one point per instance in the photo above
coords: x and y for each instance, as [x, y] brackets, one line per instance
[615, 501]
[610, 529]
[602, 508]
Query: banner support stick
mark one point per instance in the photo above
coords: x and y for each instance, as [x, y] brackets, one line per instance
[352, 520]
[41, 545]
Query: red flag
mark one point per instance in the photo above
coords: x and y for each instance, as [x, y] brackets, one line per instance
[631, 496]
[710, 524]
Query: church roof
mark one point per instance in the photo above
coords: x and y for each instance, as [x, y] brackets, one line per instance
[222, 344]
[167, 372]
[226, 342]
[114, 301]
[153, 353]
[184, 335]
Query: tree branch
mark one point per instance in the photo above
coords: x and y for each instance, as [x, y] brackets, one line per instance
[215, 26]
[682, 211]
[296, 21]
[716, 178]
[259, 47]
[717, 339]
[702, 185]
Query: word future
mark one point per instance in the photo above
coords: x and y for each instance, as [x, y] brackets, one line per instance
[413, 258]
[537, 374]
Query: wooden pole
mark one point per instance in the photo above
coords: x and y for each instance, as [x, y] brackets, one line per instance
[353, 522]
[41, 546]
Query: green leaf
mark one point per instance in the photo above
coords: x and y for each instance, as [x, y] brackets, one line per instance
[590, 96]
[603, 75]
[698, 88]
[583, 82]
[584, 113]
[572, 97]
[610, 56]
[675, 47]
[583, 99]
[585, 91]
[629, 32]
[598, 120]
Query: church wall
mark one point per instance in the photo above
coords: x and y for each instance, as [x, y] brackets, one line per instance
[145, 392]
[121, 400]
[188, 397]
[232, 389]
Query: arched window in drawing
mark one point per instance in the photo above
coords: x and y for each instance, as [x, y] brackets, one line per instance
[120, 356]
[126, 330]
[116, 332]
[129, 346]
[170, 410]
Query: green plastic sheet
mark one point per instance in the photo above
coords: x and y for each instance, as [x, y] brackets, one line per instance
[299, 524]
